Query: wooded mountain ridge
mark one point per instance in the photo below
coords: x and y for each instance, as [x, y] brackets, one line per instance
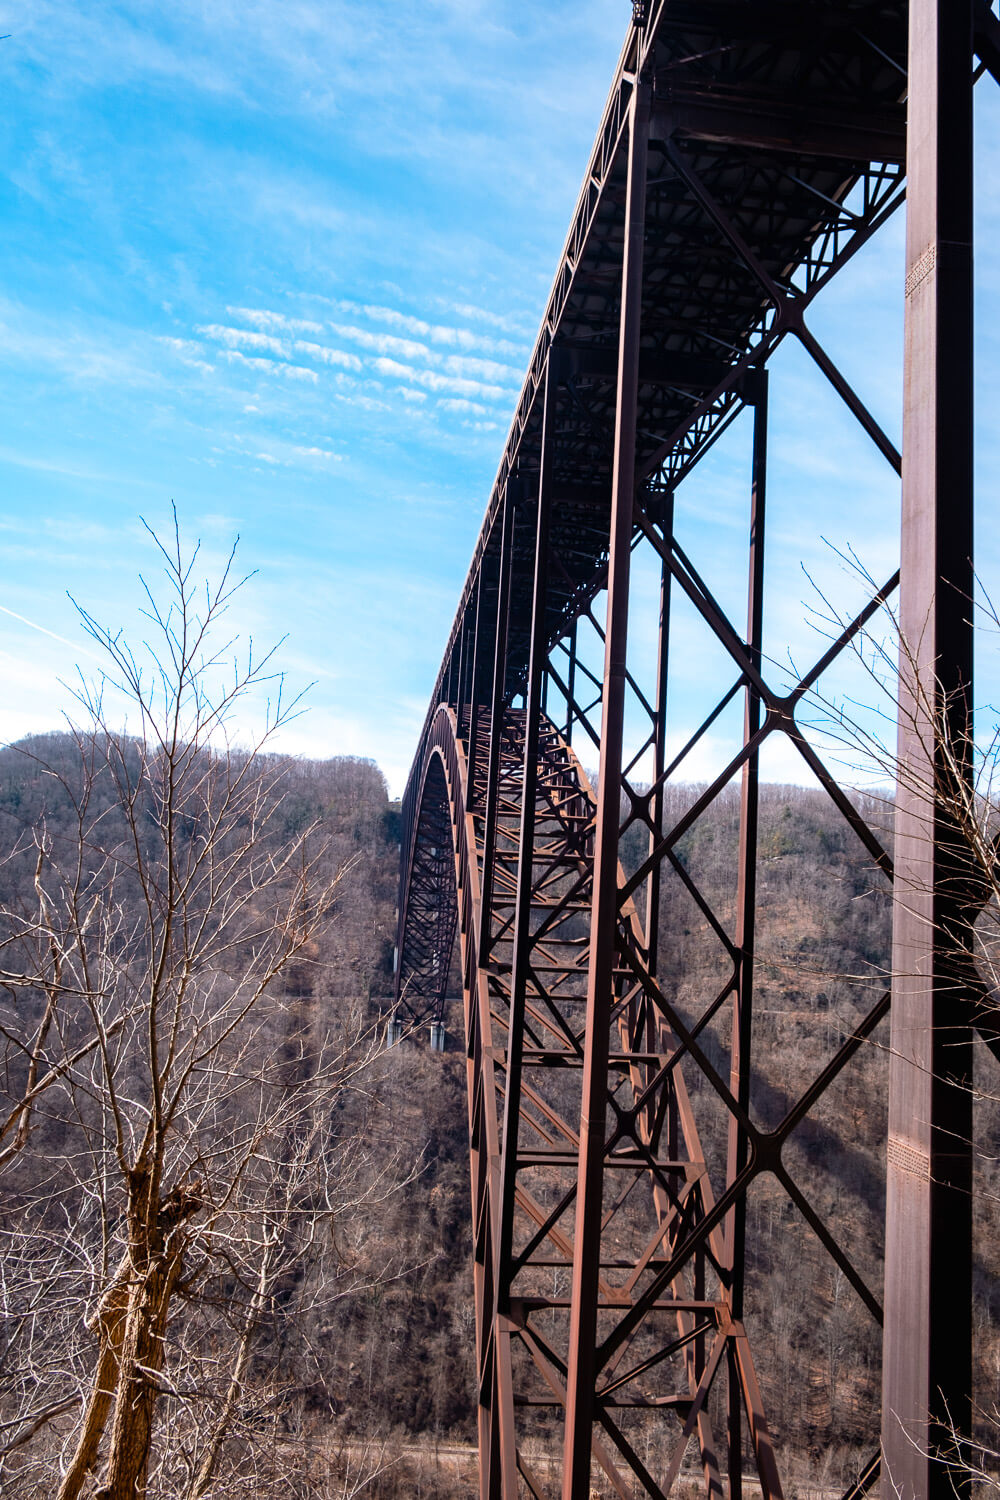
[322, 1339]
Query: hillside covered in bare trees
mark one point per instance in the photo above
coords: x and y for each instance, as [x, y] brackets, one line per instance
[313, 1215]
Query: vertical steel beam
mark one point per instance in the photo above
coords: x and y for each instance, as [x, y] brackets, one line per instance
[928, 1293]
[494, 1413]
[474, 694]
[582, 1372]
[463, 649]
[653, 889]
[525, 864]
[497, 708]
[746, 906]
[571, 683]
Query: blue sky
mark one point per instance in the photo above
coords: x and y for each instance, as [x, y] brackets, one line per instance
[284, 265]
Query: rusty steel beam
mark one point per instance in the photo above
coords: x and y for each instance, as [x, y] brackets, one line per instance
[738, 1144]
[582, 1372]
[928, 1288]
[497, 709]
[775, 125]
[523, 911]
[745, 155]
[987, 37]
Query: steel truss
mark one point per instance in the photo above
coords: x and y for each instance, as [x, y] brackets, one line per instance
[746, 153]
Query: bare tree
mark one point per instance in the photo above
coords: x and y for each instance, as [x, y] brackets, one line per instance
[950, 781]
[170, 1161]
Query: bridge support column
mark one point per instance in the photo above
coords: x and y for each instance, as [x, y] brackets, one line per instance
[928, 1293]
[471, 695]
[746, 906]
[582, 1373]
[502, 1480]
[520, 959]
[497, 705]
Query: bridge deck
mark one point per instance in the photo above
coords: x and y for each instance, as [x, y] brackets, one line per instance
[748, 150]
[776, 145]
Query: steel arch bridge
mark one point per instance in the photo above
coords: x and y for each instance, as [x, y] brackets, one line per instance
[746, 153]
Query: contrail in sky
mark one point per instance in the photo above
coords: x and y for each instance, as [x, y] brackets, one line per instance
[73, 645]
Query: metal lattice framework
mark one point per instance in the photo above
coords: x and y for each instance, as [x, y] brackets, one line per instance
[746, 153]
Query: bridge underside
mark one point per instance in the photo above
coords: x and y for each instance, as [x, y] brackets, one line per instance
[620, 1135]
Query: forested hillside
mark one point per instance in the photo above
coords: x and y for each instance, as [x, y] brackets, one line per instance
[320, 1339]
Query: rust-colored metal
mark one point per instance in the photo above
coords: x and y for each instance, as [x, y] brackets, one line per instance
[928, 1285]
[738, 1144]
[746, 153]
[602, 993]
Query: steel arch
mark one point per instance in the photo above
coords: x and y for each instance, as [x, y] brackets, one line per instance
[522, 1213]
[745, 154]
[429, 913]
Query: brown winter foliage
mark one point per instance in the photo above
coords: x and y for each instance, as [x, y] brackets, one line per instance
[308, 1318]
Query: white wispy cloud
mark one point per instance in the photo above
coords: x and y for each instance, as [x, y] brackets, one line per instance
[188, 351]
[473, 314]
[262, 318]
[78, 349]
[326, 355]
[180, 346]
[245, 338]
[382, 343]
[269, 366]
[425, 337]
[282, 455]
[391, 345]
[488, 369]
[463, 380]
[461, 404]
[360, 400]
[435, 381]
[324, 455]
[397, 319]
[438, 333]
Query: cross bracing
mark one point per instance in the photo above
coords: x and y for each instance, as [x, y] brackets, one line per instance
[746, 153]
